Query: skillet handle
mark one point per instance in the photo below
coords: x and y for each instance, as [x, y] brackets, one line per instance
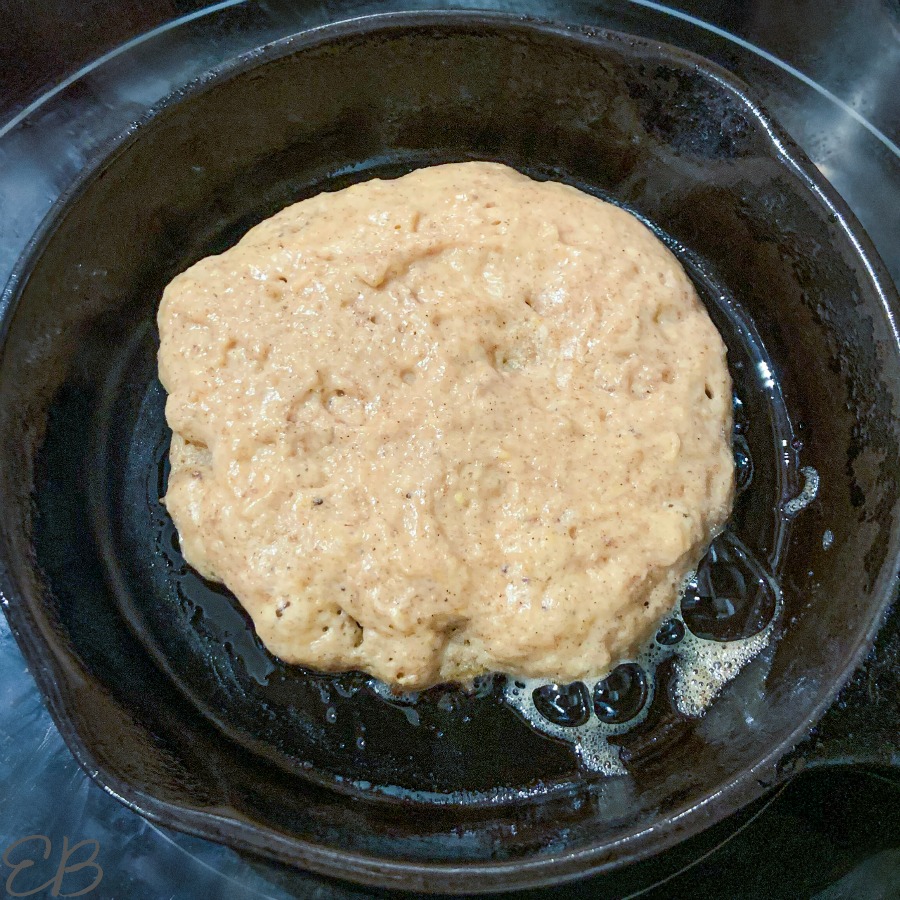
[862, 726]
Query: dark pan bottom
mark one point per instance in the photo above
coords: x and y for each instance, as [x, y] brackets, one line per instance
[450, 745]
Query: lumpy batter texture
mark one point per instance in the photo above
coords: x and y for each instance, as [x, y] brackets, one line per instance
[450, 424]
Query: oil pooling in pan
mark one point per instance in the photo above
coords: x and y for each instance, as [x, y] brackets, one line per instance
[587, 714]
[727, 614]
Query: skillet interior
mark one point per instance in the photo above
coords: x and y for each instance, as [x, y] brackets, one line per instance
[640, 124]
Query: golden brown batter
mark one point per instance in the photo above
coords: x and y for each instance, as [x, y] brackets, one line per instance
[455, 423]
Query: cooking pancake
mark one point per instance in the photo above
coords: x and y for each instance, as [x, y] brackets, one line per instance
[454, 423]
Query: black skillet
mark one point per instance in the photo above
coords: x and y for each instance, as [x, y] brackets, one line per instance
[154, 677]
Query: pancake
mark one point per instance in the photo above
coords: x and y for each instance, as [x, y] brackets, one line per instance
[455, 423]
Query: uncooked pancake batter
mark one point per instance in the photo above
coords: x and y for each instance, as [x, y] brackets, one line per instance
[455, 423]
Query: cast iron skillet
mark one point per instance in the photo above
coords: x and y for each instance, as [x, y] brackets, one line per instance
[154, 678]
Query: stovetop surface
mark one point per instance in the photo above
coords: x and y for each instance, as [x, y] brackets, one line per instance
[72, 75]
